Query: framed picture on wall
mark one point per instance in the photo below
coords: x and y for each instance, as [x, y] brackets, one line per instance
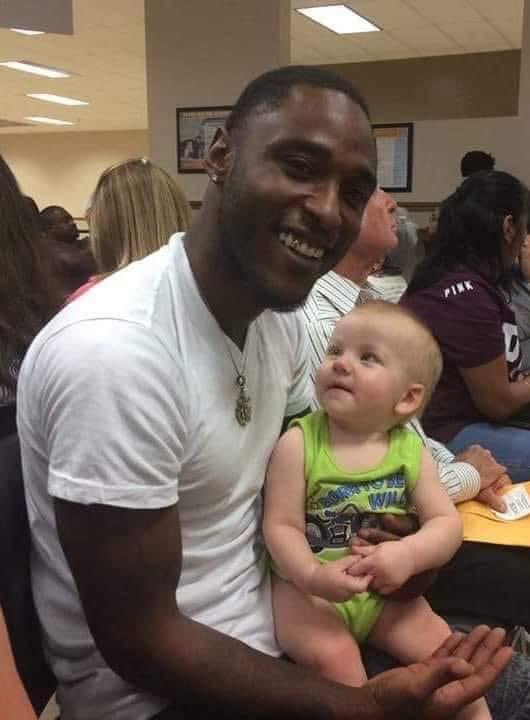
[394, 156]
[196, 128]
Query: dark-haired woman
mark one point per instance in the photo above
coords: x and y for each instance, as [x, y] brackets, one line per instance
[27, 297]
[456, 290]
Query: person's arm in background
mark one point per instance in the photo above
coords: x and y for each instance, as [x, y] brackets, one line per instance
[13, 697]
[472, 474]
[492, 475]
[492, 392]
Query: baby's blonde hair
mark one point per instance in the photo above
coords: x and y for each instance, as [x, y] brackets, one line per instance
[421, 355]
[135, 209]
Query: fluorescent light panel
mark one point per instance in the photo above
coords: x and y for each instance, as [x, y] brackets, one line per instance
[59, 99]
[27, 32]
[339, 18]
[35, 69]
[48, 120]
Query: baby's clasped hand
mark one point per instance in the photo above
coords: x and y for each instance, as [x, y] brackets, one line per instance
[333, 581]
[390, 564]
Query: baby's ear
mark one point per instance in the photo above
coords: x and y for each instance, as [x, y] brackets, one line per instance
[411, 401]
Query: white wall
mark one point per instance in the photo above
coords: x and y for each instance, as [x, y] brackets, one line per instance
[439, 146]
[63, 168]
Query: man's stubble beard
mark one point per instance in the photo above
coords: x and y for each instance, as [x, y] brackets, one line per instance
[234, 230]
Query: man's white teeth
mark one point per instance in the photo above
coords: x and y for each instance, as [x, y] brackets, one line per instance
[300, 246]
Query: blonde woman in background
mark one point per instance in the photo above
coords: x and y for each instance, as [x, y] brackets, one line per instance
[134, 210]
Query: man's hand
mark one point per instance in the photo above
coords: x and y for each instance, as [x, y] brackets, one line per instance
[458, 673]
[390, 564]
[492, 475]
[396, 527]
[490, 497]
[484, 462]
[333, 582]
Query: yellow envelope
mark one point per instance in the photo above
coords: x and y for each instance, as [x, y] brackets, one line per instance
[482, 525]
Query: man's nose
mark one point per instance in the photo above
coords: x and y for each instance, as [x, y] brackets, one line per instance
[324, 204]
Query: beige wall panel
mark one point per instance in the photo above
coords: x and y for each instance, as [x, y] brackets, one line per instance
[63, 168]
[451, 86]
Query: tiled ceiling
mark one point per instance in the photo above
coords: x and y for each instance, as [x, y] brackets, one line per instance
[106, 55]
[411, 28]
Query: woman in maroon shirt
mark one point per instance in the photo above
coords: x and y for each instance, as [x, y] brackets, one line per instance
[457, 292]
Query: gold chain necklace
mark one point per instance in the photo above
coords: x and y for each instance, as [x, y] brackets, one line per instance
[243, 409]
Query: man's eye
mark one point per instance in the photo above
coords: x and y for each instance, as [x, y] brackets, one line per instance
[298, 167]
[355, 198]
[333, 351]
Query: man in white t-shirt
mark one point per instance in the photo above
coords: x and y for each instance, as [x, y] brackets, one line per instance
[147, 412]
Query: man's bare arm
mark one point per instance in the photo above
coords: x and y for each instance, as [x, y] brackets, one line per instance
[126, 564]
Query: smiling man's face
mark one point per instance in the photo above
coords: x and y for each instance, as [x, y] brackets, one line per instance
[297, 182]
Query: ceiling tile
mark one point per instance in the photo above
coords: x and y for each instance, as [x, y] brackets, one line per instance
[429, 41]
[511, 29]
[473, 36]
[499, 9]
[446, 11]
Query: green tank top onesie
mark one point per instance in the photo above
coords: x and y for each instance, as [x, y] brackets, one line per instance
[339, 502]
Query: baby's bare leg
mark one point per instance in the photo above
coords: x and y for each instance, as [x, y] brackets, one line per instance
[411, 631]
[311, 632]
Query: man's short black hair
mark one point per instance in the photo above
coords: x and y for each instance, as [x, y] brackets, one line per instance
[49, 214]
[267, 91]
[476, 161]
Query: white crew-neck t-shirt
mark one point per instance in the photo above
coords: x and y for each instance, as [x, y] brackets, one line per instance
[127, 398]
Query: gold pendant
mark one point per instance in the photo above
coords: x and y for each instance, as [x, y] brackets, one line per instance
[243, 404]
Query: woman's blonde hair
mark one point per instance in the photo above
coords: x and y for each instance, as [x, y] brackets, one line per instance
[135, 209]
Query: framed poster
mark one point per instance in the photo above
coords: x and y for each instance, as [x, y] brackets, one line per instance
[394, 156]
[196, 128]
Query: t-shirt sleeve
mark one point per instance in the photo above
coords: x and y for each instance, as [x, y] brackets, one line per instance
[301, 390]
[113, 409]
[468, 325]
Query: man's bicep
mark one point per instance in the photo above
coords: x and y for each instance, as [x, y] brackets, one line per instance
[126, 565]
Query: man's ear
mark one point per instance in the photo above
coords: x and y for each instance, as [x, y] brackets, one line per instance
[508, 229]
[411, 401]
[219, 156]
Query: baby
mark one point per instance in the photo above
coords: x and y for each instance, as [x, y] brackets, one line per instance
[333, 472]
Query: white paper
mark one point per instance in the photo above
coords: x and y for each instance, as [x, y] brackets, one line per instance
[517, 502]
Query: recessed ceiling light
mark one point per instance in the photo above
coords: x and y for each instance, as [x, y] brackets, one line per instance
[339, 18]
[59, 99]
[48, 120]
[27, 32]
[35, 69]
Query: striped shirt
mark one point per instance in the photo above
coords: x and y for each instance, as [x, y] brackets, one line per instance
[332, 297]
